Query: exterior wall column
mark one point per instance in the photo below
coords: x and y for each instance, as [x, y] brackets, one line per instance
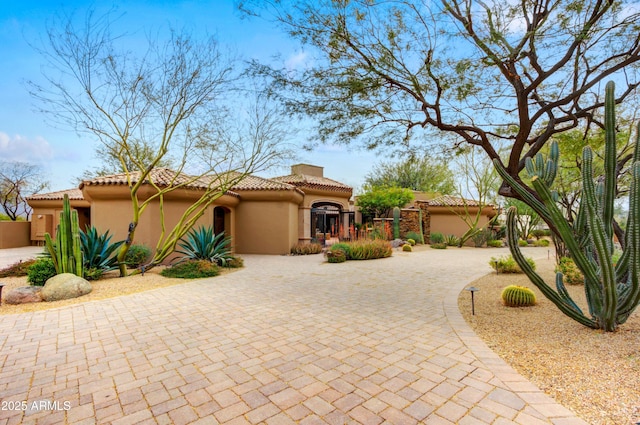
[304, 224]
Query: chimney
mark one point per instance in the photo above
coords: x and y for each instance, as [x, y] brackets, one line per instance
[309, 170]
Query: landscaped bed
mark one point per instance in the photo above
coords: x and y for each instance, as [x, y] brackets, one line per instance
[108, 287]
[596, 374]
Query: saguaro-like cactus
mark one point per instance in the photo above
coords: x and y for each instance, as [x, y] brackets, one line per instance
[396, 223]
[66, 252]
[612, 291]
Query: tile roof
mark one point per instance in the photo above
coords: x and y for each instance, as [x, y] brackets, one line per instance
[74, 195]
[452, 201]
[315, 182]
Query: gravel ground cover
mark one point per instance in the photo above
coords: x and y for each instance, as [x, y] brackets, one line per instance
[594, 373]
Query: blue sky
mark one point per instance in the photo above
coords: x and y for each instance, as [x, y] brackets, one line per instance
[25, 134]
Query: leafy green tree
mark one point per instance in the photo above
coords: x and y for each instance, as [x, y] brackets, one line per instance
[379, 201]
[422, 174]
[488, 74]
[527, 219]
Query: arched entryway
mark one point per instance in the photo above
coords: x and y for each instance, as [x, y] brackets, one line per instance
[326, 220]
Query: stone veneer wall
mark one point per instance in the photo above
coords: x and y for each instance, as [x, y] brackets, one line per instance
[409, 221]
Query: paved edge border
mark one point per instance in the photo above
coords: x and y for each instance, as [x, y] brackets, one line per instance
[513, 380]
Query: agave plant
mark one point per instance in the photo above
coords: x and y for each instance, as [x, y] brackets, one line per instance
[203, 244]
[98, 251]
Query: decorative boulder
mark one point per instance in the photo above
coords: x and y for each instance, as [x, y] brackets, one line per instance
[24, 295]
[65, 286]
[397, 243]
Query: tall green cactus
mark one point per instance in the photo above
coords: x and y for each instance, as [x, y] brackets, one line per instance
[396, 223]
[66, 252]
[612, 290]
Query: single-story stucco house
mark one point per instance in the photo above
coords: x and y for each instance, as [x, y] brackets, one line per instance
[261, 215]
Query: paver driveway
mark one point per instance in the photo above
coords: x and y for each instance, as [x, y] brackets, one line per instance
[285, 340]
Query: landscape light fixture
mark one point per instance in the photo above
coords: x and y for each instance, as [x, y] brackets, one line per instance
[472, 289]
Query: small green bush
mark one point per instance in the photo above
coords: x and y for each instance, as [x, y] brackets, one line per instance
[137, 255]
[407, 247]
[40, 271]
[17, 269]
[541, 243]
[192, 270]
[507, 264]
[415, 236]
[233, 263]
[341, 246]
[539, 233]
[369, 249]
[495, 243]
[440, 245]
[571, 273]
[306, 249]
[336, 256]
[452, 240]
[436, 238]
[522, 242]
[93, 273]
[411, 242]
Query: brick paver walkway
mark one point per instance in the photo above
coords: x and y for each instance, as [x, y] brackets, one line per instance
[285, 340]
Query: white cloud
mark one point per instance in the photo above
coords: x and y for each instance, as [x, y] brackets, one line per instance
[297, 61]
[21, 148]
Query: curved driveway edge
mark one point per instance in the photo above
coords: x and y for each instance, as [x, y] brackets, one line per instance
[285, 340]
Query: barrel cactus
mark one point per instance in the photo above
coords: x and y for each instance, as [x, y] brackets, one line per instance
[407, 247]
[518, 296]
[612, 290]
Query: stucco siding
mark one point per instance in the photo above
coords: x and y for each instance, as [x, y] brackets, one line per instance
[268, 227]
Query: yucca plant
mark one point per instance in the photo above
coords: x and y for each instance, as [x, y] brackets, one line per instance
[98, 251]
[612, 290]
[203, 244]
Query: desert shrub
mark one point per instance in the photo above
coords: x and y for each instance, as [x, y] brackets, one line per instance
[407, 247]
[541, 242]
[539, 233]
[522, 242]
[411, 242]
[518, 296]
[40, 271]
[482, 237]
[192, 269]
[436, 237]
[93, 273]
[440, 245]
[507, 264]
[415, 236]
[17, 269]
[336, 256]
[341, 246]
[234, 263]
[495, 243]
[306, 248]
[369, 249]
[452, 240]
[571, 273]
[137, 255]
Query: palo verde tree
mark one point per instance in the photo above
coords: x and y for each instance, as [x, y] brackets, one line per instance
[491, 74]
[168, 100]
